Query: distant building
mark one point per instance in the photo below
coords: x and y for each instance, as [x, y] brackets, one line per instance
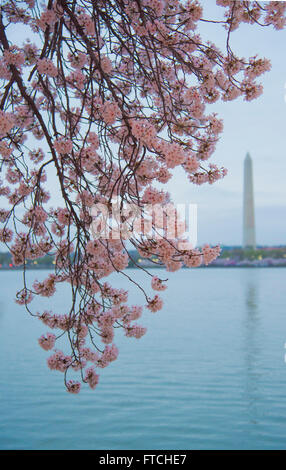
[249, 240]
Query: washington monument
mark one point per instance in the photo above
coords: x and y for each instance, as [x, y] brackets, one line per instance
[248, 206]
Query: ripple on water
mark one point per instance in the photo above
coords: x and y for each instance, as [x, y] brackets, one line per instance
[210, 373]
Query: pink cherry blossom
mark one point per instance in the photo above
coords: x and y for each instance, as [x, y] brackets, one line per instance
[155, 304]
[73, 386]
[102, 104]
[157, 284]
[46, 66]
[6, 123]
[47, 342]
[91, 377]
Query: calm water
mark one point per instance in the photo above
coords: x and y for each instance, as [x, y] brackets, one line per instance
[209, 374]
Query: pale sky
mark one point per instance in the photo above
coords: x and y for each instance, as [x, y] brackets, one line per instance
[257, 127]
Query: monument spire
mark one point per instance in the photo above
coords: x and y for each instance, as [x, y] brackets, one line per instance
[248, 205]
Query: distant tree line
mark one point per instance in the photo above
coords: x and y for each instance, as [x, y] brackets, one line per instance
[234, 253]
[239, 254]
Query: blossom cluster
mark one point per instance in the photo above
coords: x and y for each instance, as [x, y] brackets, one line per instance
[104, 100]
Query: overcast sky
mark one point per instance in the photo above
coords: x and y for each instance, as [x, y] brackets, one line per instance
[258, 127]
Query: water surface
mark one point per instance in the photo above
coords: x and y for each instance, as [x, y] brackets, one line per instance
[209, 374]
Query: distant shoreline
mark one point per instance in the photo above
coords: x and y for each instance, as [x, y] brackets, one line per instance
[230, 257]
[213, 266]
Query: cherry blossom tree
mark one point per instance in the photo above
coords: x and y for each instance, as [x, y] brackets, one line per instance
[100, 101]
